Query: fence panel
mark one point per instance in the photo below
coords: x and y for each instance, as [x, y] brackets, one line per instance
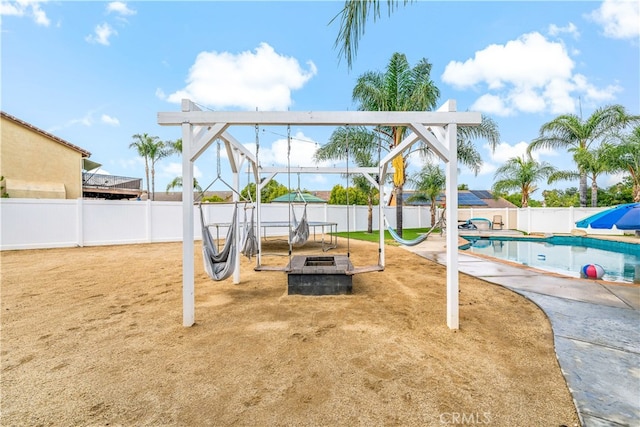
[38, 223]
[49, 223]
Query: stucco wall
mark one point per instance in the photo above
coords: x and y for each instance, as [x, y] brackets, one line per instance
[28, 156]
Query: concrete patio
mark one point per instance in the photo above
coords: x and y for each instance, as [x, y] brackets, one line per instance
[596, 328]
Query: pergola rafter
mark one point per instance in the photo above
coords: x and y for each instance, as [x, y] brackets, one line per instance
[437, 130]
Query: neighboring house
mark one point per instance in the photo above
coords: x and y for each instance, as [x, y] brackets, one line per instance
[466, 198]
[37, 164]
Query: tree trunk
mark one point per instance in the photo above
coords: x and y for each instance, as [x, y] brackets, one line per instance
[433, 212]
[370, 215]
[399, 210]
[146, 173]
[583, 189]
[525, 199]
[153, 184]
[594, 194]
[635, 189]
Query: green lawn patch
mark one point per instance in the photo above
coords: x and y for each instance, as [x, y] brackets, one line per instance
[407, 233]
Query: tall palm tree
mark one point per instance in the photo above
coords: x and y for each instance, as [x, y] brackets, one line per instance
[157, 151]
[521, 173]
[429, 182]
[570, 132]
[625, 157]
[398, 88]
[143, 143]
[353, 17]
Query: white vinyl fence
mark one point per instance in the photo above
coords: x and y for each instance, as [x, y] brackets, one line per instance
[52, 223]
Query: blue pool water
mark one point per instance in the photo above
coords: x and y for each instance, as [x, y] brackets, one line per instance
[564, 254]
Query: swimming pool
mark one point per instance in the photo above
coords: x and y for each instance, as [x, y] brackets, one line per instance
[564, 254]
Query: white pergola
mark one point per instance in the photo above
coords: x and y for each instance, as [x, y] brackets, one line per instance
[436, 129]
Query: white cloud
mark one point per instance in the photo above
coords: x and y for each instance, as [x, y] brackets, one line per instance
[593, 93]
[87, 120]
[486, 169]
[101, 34]
[530, 74]
[133, 163]
[303, 149]
[504, 151]
[120, 8]
[28, 8]
[491, 104]
[260, 79]
[174, 169]
[613, 179]
[160, 94]
[570, 29]
[113, 121]
[619, 18]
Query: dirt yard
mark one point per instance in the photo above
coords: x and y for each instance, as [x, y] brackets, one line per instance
[94, 336]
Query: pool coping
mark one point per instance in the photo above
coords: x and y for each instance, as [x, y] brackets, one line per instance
[595, 331]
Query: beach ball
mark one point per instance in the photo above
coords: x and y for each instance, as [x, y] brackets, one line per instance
[592, 271]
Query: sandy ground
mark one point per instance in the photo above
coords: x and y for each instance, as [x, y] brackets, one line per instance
[94, 336]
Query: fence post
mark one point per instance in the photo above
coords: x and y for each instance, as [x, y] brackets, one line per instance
[148, 221]
[571, 219]
[80, 223]
[355, 214]
[506, 218]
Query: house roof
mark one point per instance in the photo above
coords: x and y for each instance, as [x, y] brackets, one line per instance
[29, 126]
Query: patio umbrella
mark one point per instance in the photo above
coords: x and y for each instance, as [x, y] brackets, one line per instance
[624, 217]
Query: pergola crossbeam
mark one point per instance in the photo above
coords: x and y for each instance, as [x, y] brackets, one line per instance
[318, 118]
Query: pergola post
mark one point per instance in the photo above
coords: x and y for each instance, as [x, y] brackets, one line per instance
[451, 197]
[188, 262]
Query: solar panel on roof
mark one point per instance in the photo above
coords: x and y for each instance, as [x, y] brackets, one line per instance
[464, 199]
[482, 194]
[469, 199]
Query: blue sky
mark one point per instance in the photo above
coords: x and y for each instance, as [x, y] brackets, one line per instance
[96, 73]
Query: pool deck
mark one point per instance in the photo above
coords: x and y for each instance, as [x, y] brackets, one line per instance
[596, 329]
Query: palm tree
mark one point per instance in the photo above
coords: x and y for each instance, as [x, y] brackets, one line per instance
[177, 183]
[353, 17]
[570, 132]
[142, 143]
[625, 157]
[468, 153]
[157, 151]
[175, 147]
[594, 163]
[521, 173]
[399, 88]
[429, 183]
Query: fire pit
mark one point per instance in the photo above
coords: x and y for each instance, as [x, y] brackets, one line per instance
[319, 275]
